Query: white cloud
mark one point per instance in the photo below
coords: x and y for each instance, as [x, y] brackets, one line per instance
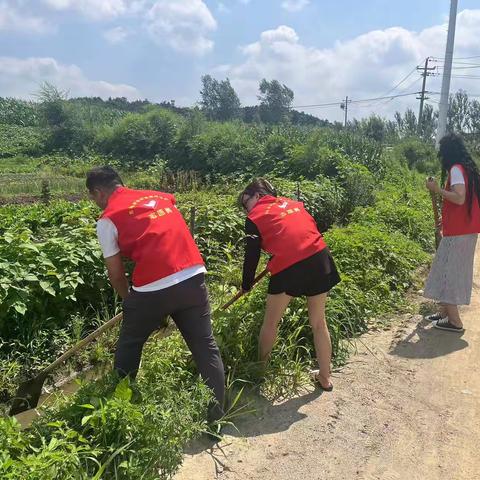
[184, 25]
[22, 78]
[14, 20]
[93, 9]
[366, 66]
[294, 5]
[116, 35]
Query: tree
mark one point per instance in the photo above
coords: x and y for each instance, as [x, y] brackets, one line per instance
[65, 129]
[459, 113]
[429, 123]
[251, 114]
[275, 101]
[407, 125]
[374, 128]
[475, 116]
[219, 99]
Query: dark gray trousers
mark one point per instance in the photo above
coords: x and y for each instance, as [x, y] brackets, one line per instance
[187, 303]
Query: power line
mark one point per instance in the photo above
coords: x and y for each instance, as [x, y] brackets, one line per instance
[455, 59]
[471, 77]
[472, 95]
[382, 104]
[461, 68]
[354, 101]
[467, 58]
[402, 80]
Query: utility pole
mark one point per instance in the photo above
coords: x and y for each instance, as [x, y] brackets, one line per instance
[422, 96]
[447, 72]
[344, 106]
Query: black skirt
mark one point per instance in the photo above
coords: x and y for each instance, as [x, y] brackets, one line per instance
[314, 275]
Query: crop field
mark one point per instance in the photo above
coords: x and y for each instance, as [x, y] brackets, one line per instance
[368, 201]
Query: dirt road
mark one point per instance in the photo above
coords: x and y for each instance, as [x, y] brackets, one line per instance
[412, 411]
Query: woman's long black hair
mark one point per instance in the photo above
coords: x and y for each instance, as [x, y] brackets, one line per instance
[453, 151]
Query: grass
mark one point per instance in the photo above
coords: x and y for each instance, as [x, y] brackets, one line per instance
[30, 184]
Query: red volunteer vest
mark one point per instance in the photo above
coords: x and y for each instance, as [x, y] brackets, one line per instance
[288, 231]
[152, 233]
[455, 218]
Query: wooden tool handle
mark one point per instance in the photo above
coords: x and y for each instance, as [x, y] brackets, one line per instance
[115, 320]
[436, 218]
[242, 293]
[82, 343]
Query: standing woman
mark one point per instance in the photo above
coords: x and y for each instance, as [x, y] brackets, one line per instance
[451, 276]
[301, 265]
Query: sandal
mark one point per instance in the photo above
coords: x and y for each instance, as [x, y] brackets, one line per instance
[444, 324]
[318, 383]
[434, 317]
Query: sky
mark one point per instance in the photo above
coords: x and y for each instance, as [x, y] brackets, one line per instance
[323, 50]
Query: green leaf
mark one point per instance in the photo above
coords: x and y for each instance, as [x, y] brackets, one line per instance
[47, 287]
[31, 278]
[123, 391]
[21, 308]
[85, 419]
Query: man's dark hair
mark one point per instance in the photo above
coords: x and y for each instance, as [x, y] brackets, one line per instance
[103, 177]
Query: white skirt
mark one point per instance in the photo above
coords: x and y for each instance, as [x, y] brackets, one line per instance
[451, 277]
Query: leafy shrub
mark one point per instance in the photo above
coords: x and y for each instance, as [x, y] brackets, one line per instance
[17, 140]
[43, 278]
[139, 138]
[406, 210]
[378, 262]
[18, 112]
[416, 154]
[313, 158]
[359, 186]
[224, 148]
[358, 149]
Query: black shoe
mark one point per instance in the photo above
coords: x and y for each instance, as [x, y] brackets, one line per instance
[215, 413]
[444, 324]
[434, 317]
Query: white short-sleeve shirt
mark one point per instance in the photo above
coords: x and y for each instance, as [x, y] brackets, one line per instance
[107, 234]
[456, 177]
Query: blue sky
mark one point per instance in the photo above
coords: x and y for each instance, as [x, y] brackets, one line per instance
[158, 49]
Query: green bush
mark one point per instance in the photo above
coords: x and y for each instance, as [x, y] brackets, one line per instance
[416, 154]
[358, 149]
[224, 148]
[359, 186]
[18, 112]
[47, 275]
[18, 140]
[312, 159]
[138, 139]
[407, 212]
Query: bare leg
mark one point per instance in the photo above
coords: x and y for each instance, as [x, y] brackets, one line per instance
[276, 306]
[321, 336]
[453, 315]
[442, 310]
